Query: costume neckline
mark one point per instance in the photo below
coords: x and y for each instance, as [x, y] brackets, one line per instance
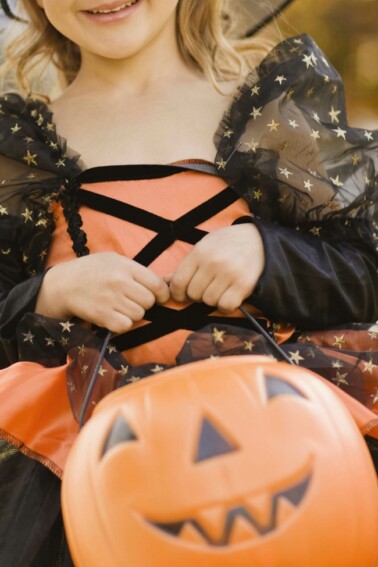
[48, 127]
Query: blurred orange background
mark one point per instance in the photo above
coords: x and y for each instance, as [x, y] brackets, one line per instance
[347, 30]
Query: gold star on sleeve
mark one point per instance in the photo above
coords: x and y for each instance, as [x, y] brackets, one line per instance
[28, 215]
[30, 158]
[218, 335]
[273, 126]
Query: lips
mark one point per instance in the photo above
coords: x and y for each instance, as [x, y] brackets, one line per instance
[246, 521]
[112, 8]
[111, 12]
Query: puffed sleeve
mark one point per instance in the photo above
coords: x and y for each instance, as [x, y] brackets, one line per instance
[311, 183]
[29, 183]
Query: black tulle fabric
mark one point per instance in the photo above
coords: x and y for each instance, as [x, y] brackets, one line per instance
[286, 147]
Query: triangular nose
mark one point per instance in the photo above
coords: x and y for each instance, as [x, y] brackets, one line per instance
[212, 443]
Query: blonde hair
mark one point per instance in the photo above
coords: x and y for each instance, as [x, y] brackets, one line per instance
[206, 34]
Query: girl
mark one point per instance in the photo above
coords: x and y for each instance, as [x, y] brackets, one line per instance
[182, 198]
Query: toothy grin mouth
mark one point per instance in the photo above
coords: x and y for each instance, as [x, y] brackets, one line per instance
[114, 10]
[240, 523]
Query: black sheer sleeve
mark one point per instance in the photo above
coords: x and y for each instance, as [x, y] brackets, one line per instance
[311, 182]
[32, 170]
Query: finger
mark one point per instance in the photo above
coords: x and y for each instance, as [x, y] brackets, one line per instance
[151, 281]
[198, 284]
[213, 293]
[131, 309]
[115, 322]
[139, 294]
[231, 299]
[182, 277]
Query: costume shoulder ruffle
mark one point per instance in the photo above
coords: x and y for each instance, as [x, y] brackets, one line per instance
[286, 141]
[33, 166]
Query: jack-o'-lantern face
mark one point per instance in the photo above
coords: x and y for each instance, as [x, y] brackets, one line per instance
[222, 463]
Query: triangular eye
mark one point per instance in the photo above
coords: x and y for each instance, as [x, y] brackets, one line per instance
[278, 387]
[121, 432]
[212, 443]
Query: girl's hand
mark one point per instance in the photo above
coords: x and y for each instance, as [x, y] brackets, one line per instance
[222, 269]
[106, 289]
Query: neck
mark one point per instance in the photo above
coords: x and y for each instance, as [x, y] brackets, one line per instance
[158, 62]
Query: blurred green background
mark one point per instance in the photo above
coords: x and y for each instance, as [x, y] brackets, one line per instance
[347, 30]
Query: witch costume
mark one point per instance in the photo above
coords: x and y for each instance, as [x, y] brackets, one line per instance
[285, 160]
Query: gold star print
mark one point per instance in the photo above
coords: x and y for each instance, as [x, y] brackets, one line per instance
[221, 164]
[273, 126]
[111, 349]
[337, 364]
[369, 367]
[355, 160]
[53, 145]
[309, 93]
[334, 89]
[5, 252]
[293, 124]
[283, 146]
[28, 337]
[255, 90]
[308, 60]
[84, 369]
[315, 230]
[285, 172]
[34, 113]
[257, 195]
[375, 396]
[280, 79]
[3, 211]
[28, 215]
[218, 335]
[252, 145]
[61, 163]
[315, 134]
[228, 133]
[373, 335]
[256, 112]
[340, 133]
[30, 158]
[336, 181]
[40, 120]
[41, 222]
[66, 326]
[334, 114]
[49, 341]
[123, 370]
[64, 341]
[289, 94]
[28, 140]
[340, 379]
[295, 357]
[368, 136]
[248, 346]
[339, 341]
[16, 128]
[308, 185]
[316, 117]
[82, 350]
[102, 371]
[134, 379]
[369, 182]
[157, 369]
[49, 127]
